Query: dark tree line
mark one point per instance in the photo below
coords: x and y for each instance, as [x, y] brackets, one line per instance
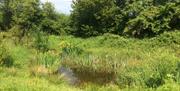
[137, 18]
[31, 15]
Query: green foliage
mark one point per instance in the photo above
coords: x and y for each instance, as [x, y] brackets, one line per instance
[169, 86]
[1, 21]
[26, 83]
[69, 49]
[168, 38]
[117, 58]
[154, 21]
[27, 14]
[145, 70]
[6, 11]
[135, 18]
[48, 60]
[59, 24]
[93, 17]
[149, 18]
[5, 58]
[41, 41]
[49, 22]
[64, 24]
[103, 63]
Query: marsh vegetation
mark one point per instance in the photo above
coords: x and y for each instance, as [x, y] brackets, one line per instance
[103, 45]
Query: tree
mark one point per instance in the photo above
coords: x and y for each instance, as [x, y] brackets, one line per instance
[1, 21]
[64, 26]
[138, 18]
[93, 17]
[26, 13]
[6, 14]
[155, 20]
[23, 13]
[49, 22]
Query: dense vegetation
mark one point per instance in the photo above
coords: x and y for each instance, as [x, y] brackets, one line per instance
[138, 18]
[108, 45]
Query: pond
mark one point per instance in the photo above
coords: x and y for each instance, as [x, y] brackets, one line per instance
[74, 77]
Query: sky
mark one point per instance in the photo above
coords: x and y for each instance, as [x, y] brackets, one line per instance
[63, 6]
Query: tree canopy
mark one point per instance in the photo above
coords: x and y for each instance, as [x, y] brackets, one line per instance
[29, 15]
[135, 18]
[139, 18]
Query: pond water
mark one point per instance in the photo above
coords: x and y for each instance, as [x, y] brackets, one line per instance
[69, 75]
[75, 78]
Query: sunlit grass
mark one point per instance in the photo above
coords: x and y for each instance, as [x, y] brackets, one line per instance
[104, 63]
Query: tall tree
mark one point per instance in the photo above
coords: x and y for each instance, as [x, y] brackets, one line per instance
[50, 17]
[137, 18]
[93, 17]
[6, 14]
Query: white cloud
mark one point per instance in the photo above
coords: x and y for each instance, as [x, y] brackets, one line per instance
[61, 5]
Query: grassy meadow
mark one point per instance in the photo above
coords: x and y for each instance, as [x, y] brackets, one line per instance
[103, 63]
[100, 45]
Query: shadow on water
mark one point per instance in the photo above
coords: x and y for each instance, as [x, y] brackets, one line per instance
[75, 77]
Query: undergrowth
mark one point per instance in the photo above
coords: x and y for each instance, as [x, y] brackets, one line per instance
[103, 63]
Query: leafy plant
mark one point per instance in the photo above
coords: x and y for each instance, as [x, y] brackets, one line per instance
[41, 41]
[5, 58]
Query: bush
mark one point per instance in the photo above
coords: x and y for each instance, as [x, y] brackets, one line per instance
[146, 18]
[93, 17]
[64, 27]
[1, 21]
[154, 21]
[111, 40]
[47, 59]
[5, 58]
[69, 49]
[169, 38]
[151, 71]
[41, 41]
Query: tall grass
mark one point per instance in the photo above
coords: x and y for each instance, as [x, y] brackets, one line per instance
[103, 63]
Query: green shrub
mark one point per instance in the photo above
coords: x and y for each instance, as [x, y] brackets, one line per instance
[111, 40]
[69, 49]
[149, 71]
[168, 38]
[1, 21]
[154, 21]
[48, 60]
[41, 41]
[5, 58]
[93, 17]
[146, 18]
